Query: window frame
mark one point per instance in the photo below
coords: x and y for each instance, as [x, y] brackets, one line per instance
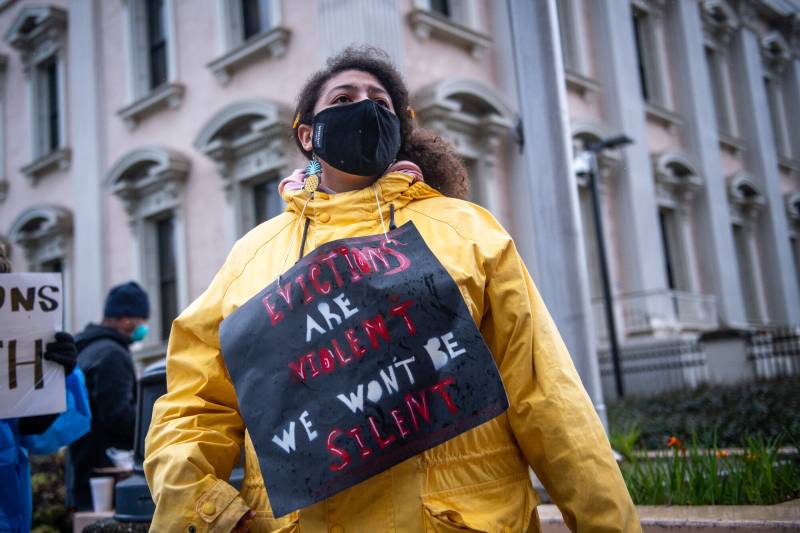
[746, 204]
[480, 136]
[462, 12]
[460, 28]
[138, 41]
[51, 240]
[150, 182]
[775, 56]
[250, 217]
[643, 45]
[240, 24]
[720, 77]
[156, 43]
[142, 99]
[38, 33]
[254, 155]
[234, 52]
[156, 270]
[650, 46]
[566, 31]
[776, 102]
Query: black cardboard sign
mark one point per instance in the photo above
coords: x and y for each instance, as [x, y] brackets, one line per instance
[360, 356]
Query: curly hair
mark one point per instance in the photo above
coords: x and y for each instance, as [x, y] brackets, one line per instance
[440, 166]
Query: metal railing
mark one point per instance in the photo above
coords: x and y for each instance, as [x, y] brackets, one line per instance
[658, 367]
[774, 352]
[650, 312]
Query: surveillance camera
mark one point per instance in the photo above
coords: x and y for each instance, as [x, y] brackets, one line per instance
[581, 165]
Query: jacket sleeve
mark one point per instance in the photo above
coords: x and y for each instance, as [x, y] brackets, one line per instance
[551, 415]
[196, 430]
[68, 426]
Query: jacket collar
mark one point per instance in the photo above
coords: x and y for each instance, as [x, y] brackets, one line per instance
[395, 188]
[95, 332]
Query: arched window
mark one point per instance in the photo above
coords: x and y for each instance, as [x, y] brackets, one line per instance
[719, 23]
[676, 185]
[746, 205]
[477, 121]
[150, 183]
[45, 235]
[776, 55]
[39, 34]
[249, 143]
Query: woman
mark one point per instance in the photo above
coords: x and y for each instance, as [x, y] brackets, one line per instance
[353, 119]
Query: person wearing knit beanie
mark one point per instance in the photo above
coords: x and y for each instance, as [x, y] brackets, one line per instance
[105, 358]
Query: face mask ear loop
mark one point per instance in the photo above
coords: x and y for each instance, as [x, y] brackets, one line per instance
[378, 203]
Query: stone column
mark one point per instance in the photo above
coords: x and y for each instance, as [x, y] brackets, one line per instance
[552, 197]
[696, 105]
[87, 135]
[373, 22]
[780, 281]
[642, 261]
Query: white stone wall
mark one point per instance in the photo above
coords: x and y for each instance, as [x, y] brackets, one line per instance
[601, 96]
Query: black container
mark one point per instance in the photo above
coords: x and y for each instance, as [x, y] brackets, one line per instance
[132, 496]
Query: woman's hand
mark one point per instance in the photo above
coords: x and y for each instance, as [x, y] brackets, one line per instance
[243, 525]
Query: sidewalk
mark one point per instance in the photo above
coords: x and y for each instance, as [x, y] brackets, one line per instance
[680, 519]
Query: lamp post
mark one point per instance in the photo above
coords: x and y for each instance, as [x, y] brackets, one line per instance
[586, 165]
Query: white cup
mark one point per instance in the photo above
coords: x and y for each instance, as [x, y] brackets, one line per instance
[102, 493]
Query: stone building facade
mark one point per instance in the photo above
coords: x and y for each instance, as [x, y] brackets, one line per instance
[140, 138]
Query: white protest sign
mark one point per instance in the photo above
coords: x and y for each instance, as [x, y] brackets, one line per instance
[30, 314]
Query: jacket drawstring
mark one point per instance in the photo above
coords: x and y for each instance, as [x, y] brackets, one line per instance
[378, 203]
[303, 240]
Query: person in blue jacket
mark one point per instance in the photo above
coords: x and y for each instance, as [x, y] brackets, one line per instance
[20, 437]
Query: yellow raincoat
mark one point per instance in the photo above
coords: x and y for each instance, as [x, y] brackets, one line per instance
[477, 481]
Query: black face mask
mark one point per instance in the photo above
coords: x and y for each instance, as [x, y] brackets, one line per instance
[361, 138]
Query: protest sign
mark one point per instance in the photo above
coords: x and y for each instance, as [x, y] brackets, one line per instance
[360, 356]
[30, 314]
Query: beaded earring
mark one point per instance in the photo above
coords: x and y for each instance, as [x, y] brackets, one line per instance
[313, 171]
